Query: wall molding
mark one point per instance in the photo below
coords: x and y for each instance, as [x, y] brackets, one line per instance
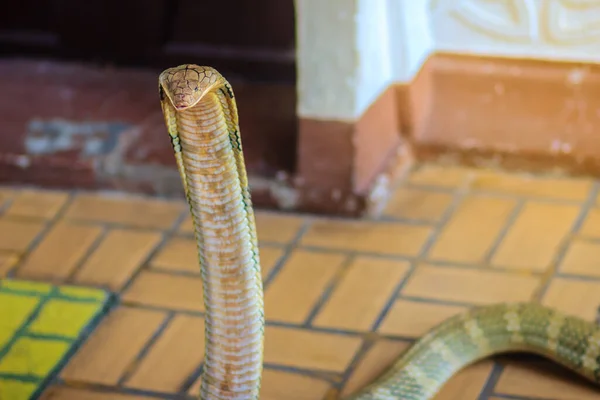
[518, 114]
[515, 113]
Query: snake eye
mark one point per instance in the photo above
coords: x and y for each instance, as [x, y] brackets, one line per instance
[161, 93]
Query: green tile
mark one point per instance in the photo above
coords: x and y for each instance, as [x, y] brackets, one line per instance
[15, 310]
[26, 286]
[5, 336]
[63, 318]
[39, 326]
[33, 357]
[83, 293]
[16, 390]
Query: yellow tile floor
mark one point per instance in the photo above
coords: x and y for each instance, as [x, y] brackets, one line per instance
[40, 324]
[343, 298]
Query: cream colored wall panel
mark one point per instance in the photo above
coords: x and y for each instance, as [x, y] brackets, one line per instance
[540, 29]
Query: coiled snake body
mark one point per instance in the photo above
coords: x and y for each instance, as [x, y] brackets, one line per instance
[202, 120]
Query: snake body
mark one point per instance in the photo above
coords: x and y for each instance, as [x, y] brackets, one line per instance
[202, 120]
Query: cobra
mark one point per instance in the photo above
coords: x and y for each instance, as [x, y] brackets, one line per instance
[201, 117]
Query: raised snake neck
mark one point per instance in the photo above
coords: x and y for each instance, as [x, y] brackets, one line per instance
[202, 120]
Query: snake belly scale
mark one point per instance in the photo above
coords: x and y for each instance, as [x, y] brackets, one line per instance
[202, 120]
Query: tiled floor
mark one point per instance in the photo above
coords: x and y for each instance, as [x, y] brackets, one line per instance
[343, 298]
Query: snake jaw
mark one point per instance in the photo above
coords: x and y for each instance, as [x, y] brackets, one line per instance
[182, 101]
[187, 84]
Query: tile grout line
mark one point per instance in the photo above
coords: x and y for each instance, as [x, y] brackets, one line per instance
[508, 224]
[115, 194]
[500, 194]
[588, 239]
[553, 269]
[58, 296]
[575, 277]
[440, 302]
[327, 376]
[48, 224]
[396, 257]
[189, 381]
[333, 330]
[517, 397]
[42, 300]
[366, 345]
[500, 269]
[282, 324]
[287, 252]
[106, 228]
[71, 276]
[402, 221]
[392, 257]
[329, 289]
[30, 378]
[115, 225]
[139, 358]
[166, 235]
[487, 390]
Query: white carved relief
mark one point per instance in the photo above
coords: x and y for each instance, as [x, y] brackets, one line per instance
[556, 29]
[570, 22]
[506, 20]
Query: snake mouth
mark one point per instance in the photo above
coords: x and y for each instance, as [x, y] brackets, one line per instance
[181, 102]
[182, 106]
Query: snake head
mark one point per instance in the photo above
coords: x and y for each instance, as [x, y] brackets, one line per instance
[186, 84]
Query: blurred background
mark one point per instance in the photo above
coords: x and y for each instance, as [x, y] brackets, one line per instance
[80, 86]
[408, 159]
[332, 97]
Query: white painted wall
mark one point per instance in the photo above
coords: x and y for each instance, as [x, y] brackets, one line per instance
[349, 51]
[326, 58]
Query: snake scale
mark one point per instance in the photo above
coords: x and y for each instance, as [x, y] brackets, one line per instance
[201, 116]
